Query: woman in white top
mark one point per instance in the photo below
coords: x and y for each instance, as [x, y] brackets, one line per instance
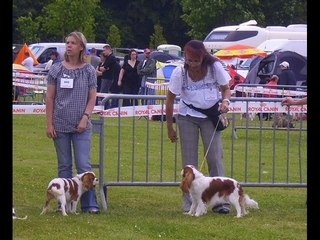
[199, 83]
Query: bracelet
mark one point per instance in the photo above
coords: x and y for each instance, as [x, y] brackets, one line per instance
[226, 100]
[87, 114]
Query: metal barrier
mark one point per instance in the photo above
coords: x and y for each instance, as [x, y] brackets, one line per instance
[30, 86]
[135, 151]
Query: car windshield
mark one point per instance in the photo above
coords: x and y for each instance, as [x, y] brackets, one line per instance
[245, 64]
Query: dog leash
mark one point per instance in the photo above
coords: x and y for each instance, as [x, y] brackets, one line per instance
[211, 140]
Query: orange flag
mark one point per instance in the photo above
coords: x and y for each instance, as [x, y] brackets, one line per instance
[232, 73]
[20, 56]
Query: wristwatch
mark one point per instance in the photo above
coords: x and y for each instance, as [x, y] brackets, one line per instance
[226, 100]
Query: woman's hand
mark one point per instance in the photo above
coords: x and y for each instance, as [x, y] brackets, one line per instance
[224, 106]
[172, 134]
[51, 132]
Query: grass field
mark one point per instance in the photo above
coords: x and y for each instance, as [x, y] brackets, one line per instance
[141, 212]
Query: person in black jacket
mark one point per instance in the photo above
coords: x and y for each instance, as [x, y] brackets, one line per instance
[110, 72]
[287, 76]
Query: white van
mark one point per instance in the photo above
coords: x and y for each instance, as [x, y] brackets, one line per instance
[43, 50]
[248, 33]
[298, 46]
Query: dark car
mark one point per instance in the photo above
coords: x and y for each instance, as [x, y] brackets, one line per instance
[161, 57]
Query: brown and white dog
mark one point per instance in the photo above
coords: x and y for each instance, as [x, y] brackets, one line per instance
[206, 192]
[67, 191]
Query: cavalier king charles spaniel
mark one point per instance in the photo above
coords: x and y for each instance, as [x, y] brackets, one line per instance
[206, 192]
[67, 191]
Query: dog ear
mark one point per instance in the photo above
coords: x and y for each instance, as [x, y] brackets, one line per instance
[184, 186]
[187, 180]
[88, 180]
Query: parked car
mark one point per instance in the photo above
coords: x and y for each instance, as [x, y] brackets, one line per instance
[243, 68]
[161, 57]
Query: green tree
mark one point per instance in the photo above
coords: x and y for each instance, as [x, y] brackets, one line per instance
[114, 38]
[22, 8]
[157, 37]
[60, 17]
[27, 28]
[285, 12]
[180, 19]
[203, 15]
[103, 22]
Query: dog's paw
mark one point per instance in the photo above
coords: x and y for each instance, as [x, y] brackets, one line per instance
[188, 213]
[198, 214]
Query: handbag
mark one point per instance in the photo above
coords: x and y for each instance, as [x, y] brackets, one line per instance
[220, 121]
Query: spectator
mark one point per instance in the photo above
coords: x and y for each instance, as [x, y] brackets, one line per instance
[198, 83]
[70, 99]
[287, 76]
[288, 101]
[94, 59]
[129, 78]
[271, 84]
[28, 61]
[236, 81]
[146, 69]
[99, 74]
[110, 71]
[115, 89]
[54, 58]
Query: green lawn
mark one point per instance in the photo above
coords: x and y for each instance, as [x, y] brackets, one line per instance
[154, 212]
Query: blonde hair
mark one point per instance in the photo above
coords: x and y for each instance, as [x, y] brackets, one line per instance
[83, 42]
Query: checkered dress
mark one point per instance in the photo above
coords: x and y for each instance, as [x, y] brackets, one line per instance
[70, 103]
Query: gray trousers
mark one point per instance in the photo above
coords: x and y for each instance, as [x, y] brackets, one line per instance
[190, 128]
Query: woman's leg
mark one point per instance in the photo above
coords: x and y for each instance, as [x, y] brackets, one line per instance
[81, 145]
[62, 145]
[213, 145]
[189, 139]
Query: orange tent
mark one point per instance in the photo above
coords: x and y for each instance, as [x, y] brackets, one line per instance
[20, 56]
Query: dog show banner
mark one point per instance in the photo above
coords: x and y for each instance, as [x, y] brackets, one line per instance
[265, 90]
[150, 110]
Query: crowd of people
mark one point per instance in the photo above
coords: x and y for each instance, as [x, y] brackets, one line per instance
[128, 78]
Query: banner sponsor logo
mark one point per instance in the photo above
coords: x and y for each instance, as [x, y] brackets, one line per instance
[149, 110]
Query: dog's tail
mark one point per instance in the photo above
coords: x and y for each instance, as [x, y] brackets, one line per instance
[249, 202]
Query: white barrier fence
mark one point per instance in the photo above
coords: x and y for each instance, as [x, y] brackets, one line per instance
[149, 110]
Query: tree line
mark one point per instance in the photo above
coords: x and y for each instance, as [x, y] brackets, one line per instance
[144, 23]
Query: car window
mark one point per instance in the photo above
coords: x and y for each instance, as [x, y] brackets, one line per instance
[45, 56]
